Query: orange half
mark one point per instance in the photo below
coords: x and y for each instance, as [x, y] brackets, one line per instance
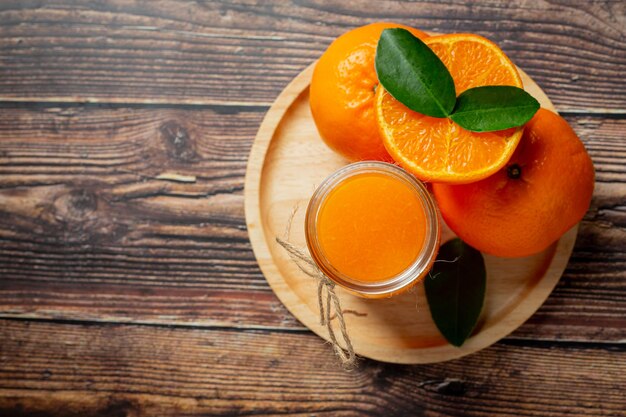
[437, 149]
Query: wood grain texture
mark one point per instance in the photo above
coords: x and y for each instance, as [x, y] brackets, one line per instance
[240, 52]
[87, 232]
[75, 370]
[90, 234]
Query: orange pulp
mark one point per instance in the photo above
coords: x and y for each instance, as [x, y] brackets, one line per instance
[371, 227]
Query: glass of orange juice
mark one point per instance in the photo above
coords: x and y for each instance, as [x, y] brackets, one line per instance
[373, 229]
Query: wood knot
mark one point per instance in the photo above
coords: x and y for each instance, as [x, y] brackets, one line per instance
[178, 142]
[77, 204]
[119, 407]
[79, 215]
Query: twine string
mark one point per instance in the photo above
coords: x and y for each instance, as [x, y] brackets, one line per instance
[326, 298]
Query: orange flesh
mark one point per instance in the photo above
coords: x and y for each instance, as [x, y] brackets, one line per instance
[371, 227]
[439, 150]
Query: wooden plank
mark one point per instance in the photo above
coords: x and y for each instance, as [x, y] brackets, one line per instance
[87, 232]
[60, 369]
[246, 52]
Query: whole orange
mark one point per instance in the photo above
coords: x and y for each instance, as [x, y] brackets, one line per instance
[342, 93]
[543, 191]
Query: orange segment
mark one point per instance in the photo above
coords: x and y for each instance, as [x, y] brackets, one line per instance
[474, 61]
[438, 149]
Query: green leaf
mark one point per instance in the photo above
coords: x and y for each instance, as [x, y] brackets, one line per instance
[496, 107]
[455, 290]
[412, 73]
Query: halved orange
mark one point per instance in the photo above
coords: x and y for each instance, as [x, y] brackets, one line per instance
[437, 149]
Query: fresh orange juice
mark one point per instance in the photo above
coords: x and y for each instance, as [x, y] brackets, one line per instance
[373, 229]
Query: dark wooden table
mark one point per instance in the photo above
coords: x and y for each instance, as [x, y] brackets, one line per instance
[122, 294]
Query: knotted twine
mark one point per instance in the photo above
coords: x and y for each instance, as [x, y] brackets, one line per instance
[326, 298]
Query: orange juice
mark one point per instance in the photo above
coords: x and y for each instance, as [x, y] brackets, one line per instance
[373, 229]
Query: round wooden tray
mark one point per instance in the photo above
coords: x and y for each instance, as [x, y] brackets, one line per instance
[288, 160]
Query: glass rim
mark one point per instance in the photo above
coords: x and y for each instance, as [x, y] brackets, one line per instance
[400, 281]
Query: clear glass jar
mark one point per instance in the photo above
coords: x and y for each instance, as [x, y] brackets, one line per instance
[400, 282]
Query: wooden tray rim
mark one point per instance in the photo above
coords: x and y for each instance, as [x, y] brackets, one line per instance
[260, 245]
